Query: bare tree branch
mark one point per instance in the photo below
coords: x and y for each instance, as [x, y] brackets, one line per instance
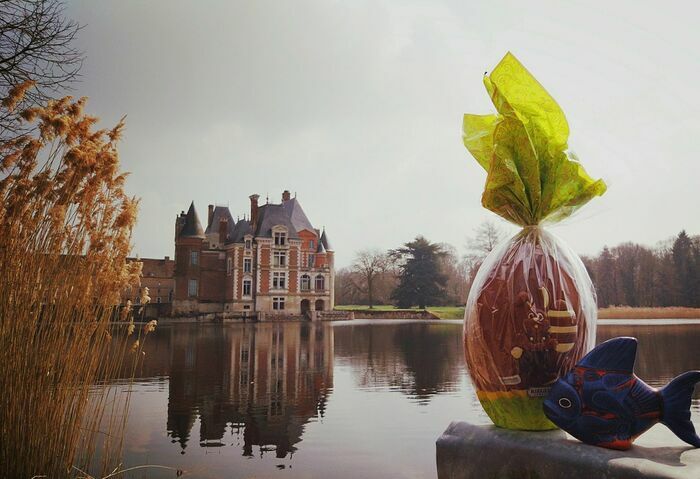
[369, 264]
[36, 44]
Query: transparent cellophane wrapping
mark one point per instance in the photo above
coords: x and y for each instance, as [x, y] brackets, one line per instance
[530, 316]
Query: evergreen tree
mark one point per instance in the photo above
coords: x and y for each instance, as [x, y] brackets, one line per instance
[420, 280]
[684, 262]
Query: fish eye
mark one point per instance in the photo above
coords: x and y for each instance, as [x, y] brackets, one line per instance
[565, 403]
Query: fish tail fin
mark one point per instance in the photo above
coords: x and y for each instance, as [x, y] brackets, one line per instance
[676, 397]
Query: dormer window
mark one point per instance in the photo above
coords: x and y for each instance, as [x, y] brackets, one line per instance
[248, 244]
[280, 238]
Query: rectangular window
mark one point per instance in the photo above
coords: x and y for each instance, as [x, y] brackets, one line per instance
[311, 245]
[279, 258]
[229, 266]
[280, 239]
[247, 244]
[192, 287]
[278, 304]
[247, 265]
[194, 258]
[279, 280]
[247, 287]
[312, 260]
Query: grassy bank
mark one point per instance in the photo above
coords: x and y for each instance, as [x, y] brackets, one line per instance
[443, 312]
[615, 312]
[626, 312]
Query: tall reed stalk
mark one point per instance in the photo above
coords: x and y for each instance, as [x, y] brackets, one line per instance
[65, 232]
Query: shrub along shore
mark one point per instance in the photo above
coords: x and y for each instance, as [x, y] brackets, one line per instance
[612, 312]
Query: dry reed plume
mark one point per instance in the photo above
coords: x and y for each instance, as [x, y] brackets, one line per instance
[65, 232]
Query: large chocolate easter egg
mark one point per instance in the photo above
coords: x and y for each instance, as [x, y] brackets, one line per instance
[530, 317]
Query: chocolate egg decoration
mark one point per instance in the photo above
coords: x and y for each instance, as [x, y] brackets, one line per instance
[531, 310]
[530, 316]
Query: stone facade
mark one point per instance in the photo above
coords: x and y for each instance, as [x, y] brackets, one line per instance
[274, 261]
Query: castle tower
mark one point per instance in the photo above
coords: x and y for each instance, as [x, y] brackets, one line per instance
[189, 242]
[330, 257]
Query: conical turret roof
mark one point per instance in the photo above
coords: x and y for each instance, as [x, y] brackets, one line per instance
[192, 227]
[324, 240]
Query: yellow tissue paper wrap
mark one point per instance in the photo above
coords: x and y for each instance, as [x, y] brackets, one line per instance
[531, 175]
[531, 311]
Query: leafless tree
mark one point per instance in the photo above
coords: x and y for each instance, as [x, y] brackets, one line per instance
[457, 272]
[369, 266]
[345, 290]
[486, 237]
[37, 45]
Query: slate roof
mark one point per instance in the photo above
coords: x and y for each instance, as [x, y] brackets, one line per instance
[192, 227]
[221, 212]
[296, 215]
[289, 214]
[270, 215]
[321, 248]
[241, 229]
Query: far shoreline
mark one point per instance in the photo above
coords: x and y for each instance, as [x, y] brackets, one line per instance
[613, 313]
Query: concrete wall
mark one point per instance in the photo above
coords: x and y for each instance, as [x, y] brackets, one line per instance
[468, 451]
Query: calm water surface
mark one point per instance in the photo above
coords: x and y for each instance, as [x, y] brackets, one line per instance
[341, 400]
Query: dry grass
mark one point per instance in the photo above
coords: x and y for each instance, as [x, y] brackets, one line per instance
[627, 312]
[65, 232]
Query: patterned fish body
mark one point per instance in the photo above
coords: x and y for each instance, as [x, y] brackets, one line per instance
[603, 403]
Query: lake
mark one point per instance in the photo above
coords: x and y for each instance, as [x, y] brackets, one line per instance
[343, 400]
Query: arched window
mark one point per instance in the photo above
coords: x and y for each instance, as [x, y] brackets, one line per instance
[320, 282]
[305, 282]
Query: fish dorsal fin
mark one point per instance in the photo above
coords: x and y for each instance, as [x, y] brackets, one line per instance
[616, 354]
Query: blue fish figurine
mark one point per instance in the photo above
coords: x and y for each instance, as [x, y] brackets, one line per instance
[603, 403]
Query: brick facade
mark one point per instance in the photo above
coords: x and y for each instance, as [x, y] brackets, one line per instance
[274, 261]
[158, 276]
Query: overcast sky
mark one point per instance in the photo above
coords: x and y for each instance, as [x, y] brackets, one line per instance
[357, 106]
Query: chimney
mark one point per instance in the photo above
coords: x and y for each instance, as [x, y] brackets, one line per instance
[254, 209]
[211, 215]
[223, 229]
[285, 195]
[179, 223]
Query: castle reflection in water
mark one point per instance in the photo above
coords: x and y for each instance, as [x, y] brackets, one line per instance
[258, 385]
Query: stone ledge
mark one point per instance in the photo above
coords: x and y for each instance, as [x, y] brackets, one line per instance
[466, 451]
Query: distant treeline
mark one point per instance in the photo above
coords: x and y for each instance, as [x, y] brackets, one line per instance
[635, 275]
[625, 275]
